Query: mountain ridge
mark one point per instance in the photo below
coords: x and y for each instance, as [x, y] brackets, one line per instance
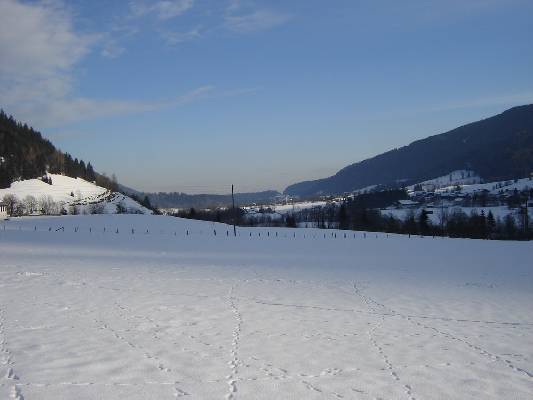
[497, 147]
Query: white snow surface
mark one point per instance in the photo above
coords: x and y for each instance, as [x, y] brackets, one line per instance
[156, 307]
[85, 193]
[279, 210]
[454, 178]
[493, 187]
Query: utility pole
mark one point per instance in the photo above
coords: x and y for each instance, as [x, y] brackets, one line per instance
[233, 211]
[526, 216]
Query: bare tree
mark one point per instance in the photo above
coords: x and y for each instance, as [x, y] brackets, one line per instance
[47, 205]
[11, 202]
[97, 208]
[30, 203]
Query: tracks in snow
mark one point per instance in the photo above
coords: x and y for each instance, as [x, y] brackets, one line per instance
[234, 362]
[478, 349]
[7, 364]
[373, 305]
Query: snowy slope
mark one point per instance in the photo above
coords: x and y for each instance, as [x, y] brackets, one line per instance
[280, 210]
[72, 191]
[454, 178]
[470, 182]
[171, 310]
[494, 187]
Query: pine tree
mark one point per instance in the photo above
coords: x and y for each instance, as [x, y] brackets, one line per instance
[491, 224]
[423, 222]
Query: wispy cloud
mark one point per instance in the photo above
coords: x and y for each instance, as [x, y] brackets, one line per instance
[37, 75]
[39, 49]
[173, 38]
[62, 111]
[247, 17]
[165, 9]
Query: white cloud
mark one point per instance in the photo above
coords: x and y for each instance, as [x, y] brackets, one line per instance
[40, 51]
[38, 40]
[112, 49]
[61, 111]
[172, 38]
[246, 18]
[164, 9]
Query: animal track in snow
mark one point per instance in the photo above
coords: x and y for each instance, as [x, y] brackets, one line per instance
[6, 360]
[234, 352]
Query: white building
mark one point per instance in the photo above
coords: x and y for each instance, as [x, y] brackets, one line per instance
[3, 211]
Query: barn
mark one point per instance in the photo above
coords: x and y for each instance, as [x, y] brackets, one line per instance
[3, 211]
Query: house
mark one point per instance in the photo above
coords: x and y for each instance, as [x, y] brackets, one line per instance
[407, 204]
[3, 211]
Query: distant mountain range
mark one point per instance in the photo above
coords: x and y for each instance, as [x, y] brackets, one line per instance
[497, 148]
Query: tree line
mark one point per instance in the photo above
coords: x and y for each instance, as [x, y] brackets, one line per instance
[25, 154]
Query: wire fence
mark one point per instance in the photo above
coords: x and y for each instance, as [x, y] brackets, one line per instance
[257, 232]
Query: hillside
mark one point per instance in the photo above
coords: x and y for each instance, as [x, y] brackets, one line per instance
[68, 195]
[496, 148]
[25, 154]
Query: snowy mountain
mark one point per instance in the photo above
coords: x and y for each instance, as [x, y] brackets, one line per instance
[73, 195]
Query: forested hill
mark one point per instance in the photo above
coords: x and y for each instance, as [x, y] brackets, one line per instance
[25, 154]
[497, 148]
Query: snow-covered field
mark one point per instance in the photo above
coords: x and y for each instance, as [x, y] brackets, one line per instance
[160, 308]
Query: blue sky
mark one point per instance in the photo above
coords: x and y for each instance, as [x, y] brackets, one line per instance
[194, 95]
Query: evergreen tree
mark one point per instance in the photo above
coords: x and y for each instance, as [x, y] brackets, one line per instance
[343, 217]
[491, 224]
[423, 222]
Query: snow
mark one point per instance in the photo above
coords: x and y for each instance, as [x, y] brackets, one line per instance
[172, 310]
[280, 210]
[60, 190]
[63, 187]
[472, 184]
[494, 187]
[454, 178]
